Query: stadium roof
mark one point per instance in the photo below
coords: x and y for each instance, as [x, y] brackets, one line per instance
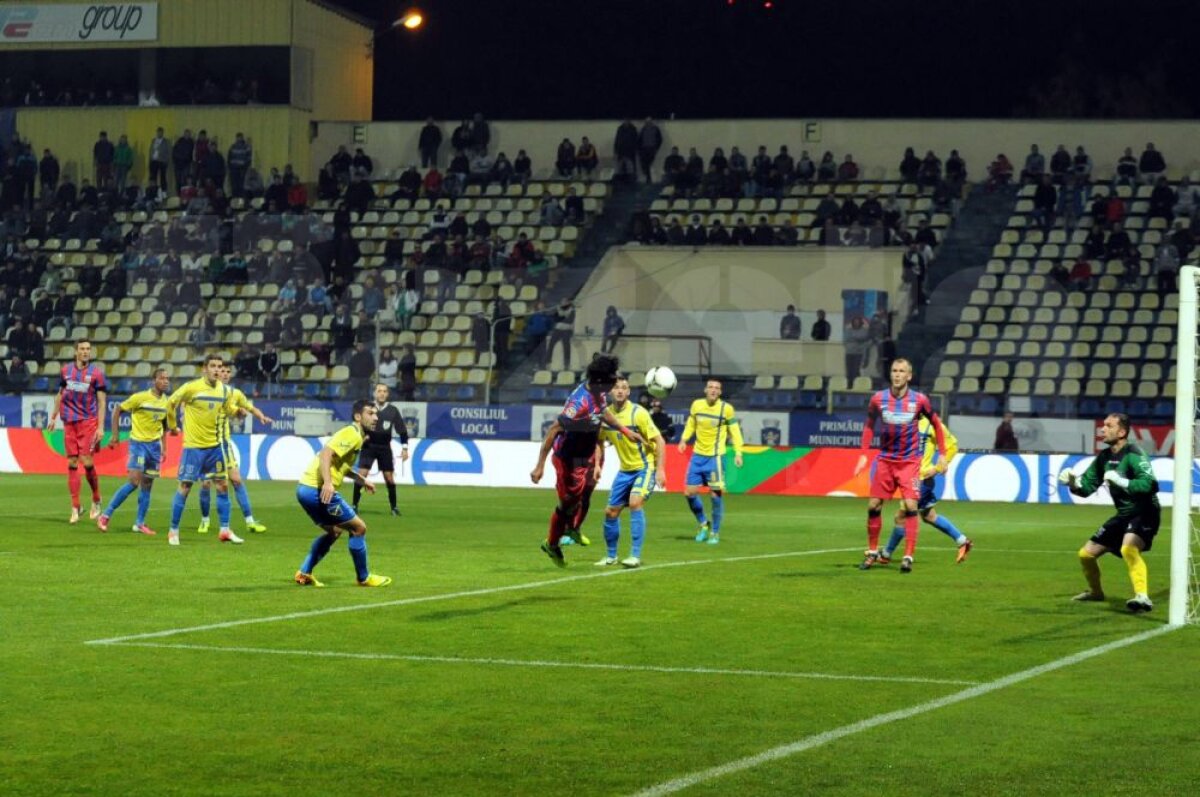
[342, 11]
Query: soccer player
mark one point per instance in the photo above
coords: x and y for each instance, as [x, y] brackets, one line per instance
[206, 403]
[1125, 468]
[378, 447]
[82, 403]
[712, 422]
[898, 410]
[148, 412]
[928, 499]
[232, 469]
[642, 469]
[573, 437]
[317, 493]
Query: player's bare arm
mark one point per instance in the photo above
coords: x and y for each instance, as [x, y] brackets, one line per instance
[116, 425]
[102, 398]
[57, 410]
[328, 488]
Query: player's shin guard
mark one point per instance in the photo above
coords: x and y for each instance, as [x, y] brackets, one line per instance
[205, 502]
[391, 488]
[558, 524]
[1137, 568]
[637, 531]
[1091, 571]
[118, 498]
[177, 505]
[874, 526]
[358, 552]
[223, 508]
[320, 547]
[894, 541]
[143, 505]
[944, 525]
[93, 481]
[612, 533]
[697, 506]
[718, 512]
[243, 499]
[912, 527]
[74, 480]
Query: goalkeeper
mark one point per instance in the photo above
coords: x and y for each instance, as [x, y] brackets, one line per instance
[1126, 470]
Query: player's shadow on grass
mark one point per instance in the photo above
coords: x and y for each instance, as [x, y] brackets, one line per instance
[454, 614]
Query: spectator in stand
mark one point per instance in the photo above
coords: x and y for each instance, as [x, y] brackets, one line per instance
[742, 235]
[18, 375]
[1151, 164]
[1183, 240]
[48, 172]
[675, 233]
[719, 234]
[1127, 169]
[1162, 200]
[827, 208]
[1060, 274]
[522, 167]
[1185, 202]
[789, 325]
[25, 174]
[1118, 243]
[1081, 275]
[805, 170]
[502, 170]
[696, 234]
[1045, 203]
[122, 162]
[1081, 165]
[625, 150]
[200, 156]
[160, 156]
[341, 332]
[362, 165]
[857, 339]
[1035, 167]
[562, 332]
[821, 330]
[1006, 438]
[827, 168]
[1093, 245]
[373, 299]
[480, 336]
[362, 371]
[611, 330]
[910, 166]
[214, 165]
[650, 140]
[293, 331]
[956, 170]
[342, 163]
[914, 268]
[359, 194]
[428, 143]
[848, 170]
[1060, 165]
[1131, 276]
[551, 212]
[481, 134]
[926, 238]
[764, 233]
[240, 156]
[931, 170]
[573, 207]
[328, 188]
[785, 235]
[1000, 172]
[1166, 268]
[565, 160]
[586, 158]
[407, 373]
[1070, 202]
[388, 369]
[102, 155]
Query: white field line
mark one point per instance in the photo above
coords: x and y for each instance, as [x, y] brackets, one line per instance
[579, 665]
[821, 739]
[453, 595]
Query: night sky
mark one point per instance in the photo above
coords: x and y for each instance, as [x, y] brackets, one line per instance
[547, 59]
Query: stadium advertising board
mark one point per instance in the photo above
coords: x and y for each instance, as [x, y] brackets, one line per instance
[1033, 434]
[11, 411]
[758, 428]
[822, 430]
[475, 421]
[78, 22]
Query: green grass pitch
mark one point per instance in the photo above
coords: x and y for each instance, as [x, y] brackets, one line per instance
[484, 670]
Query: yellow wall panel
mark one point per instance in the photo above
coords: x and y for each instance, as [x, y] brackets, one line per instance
[343, 71]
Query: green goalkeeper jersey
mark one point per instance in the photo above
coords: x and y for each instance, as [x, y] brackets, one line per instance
[1132, 463]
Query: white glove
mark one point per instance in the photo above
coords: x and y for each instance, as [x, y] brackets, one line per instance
[1067, 477]
[1116, 479]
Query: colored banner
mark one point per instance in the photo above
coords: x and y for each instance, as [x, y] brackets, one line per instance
[11, 411]
[822, 430]
[498, 422]
[78, 22]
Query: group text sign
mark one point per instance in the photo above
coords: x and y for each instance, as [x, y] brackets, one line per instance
[78, 22]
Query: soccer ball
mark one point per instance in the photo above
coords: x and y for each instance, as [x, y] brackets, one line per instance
[660, 381]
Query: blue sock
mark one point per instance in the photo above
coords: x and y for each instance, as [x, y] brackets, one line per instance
[177, 509]
[944, 525]
[895, 540]
[118, 498]
[697, 507]
[243, 499]
[358, 552]
[637, 531]
[223, 507]
[143, 505]
[205, 502]
[320, 547]
[718, 512]
[612, 533]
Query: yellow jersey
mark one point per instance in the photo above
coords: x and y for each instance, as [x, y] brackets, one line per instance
[240, 402]
[929, 445]
[633, 456]
[204, 409]
[147, 412]
[345, 446]
[714, 427]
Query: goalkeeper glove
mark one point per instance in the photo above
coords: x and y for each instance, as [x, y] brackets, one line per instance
[1067, 477]
[1116, 479]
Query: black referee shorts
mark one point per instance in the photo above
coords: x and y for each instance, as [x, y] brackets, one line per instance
[381, 454]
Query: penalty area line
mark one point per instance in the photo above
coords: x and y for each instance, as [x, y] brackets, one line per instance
[821, 739]
[578, 665]
[360, 607]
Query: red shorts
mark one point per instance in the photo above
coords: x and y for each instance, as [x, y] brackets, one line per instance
[892, 475]
[79, 437]
[574, 479]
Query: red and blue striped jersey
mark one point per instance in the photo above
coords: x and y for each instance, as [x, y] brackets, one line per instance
[79, 387]
[580, 422]
[898, 419]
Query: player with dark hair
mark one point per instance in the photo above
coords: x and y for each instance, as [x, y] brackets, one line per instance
[81, 402]
[1126, 469]
[232, 467]
[712, 421]
[317, 494]
[898, 411]
[378, 446]
[147, 412]
[573, 437]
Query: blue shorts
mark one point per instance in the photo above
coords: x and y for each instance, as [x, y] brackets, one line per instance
[928, 497]
[145, 456]
[629, 483]
[706, 470]
[198, 464]
[335, 513]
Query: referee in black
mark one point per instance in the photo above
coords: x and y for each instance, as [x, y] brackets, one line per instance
[378, 446]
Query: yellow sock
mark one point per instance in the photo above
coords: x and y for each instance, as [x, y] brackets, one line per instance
[1137, 568]
[1091, 571]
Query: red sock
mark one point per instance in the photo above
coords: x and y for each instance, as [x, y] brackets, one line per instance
[74, 479]
[557, 525]
[912, 525]
[94, 481]
[874, 524]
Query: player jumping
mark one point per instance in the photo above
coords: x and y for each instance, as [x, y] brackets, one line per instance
[147, 412]
[82, 403]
